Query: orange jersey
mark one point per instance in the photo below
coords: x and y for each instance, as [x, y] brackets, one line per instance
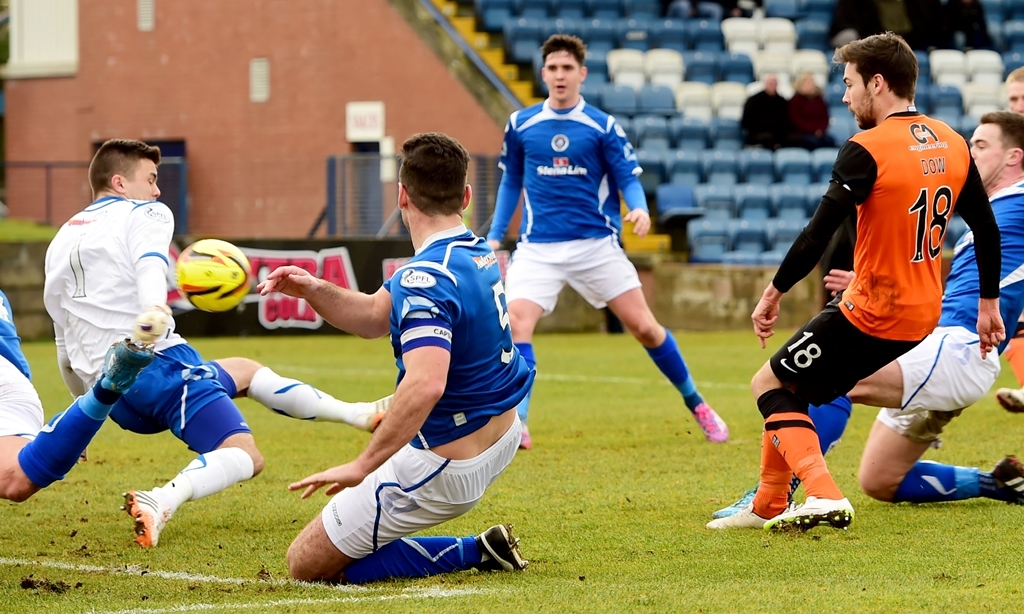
[921, 166]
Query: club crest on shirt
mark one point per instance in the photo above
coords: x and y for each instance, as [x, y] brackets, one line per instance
[156, 214]
[619, 131]
[411, 278]
[560, 143]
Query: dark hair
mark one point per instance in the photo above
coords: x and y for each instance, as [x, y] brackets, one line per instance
[434, 170]
[564, 42]
[1011, 126]
[118, 157]
[884, 54]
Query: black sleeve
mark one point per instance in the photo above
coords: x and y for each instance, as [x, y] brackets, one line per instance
[973, 206]
[853, 176]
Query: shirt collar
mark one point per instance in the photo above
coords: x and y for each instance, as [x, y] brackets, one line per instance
[449, 233]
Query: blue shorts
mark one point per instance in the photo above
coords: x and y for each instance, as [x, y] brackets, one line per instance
[181, 393]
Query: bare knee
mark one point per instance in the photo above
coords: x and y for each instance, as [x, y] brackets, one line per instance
[649, 333]
[18, 491]
[240, 369]
[876, 485]
[312, 557]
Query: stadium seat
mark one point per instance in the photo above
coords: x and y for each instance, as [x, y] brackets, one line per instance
[818, 10]
[793, 165]
[717, 201]
[995, 32]
[701, 66]
[494, 13]
[1013, 35]
[633, 34]
[995, 10]
[618, 100]
[590, 88]
[650, 9]
[740, 258]
[736, 67]
[720, 167]
[834, 93]
[757, 166]
[726, 134]
[771, 258]
[690, 133]
[753, 202]
[985, 67]
[664, 67]
[812, 61]
[605, 9]
[777, 34]
[537, 9]
[812, 34]
[946, 99]
[741, 35]
[822, 159]
[597, 63]
[981, 98]
[627, 126]
[708, 239]
[652, 132]
[705, 35]
[653, 163]
[670, 34]
[1012, 60]
[775, 62]
[656, 99]
[728, 99]
[570, 9]
[600, 35]
[790, 10]
[781, 233]
[675, 199]
[955, 228]
[968, 123]
[747, 235]
[814, 193]
[693, 99]
[626, 67]
[949, 67]
[1014, 10]
[789, 201]
[559, 25]
[841, 128]
[923, 96]
[522, 39]
[684, 167]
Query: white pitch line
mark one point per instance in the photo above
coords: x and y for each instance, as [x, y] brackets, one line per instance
[430, 593]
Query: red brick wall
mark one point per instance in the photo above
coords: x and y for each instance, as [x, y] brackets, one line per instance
[255, 170]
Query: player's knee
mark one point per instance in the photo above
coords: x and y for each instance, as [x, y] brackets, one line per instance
[17, 490]
[300, 566]
[257, 461]
[877, 486]
[763, 381]
[240, 369]
[649, 333]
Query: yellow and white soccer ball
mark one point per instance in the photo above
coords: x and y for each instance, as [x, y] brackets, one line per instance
[213, 275]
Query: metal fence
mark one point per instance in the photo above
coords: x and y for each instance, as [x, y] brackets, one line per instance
[362, 195]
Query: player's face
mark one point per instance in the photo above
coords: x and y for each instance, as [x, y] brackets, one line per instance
[142, 184]
[563, 76]
[1015, 94]
[989, 153]
[858, 98]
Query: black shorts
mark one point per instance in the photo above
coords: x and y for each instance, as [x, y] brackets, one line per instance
[828, 356]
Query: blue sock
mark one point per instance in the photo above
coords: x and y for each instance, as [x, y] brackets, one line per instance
[929, 482]
[56, 448]
[526, 351]
[416, 557]
[670, 360]
[830, 422]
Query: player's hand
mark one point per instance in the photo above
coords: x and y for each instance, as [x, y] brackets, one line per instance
[641, 221]
[290, 280]
[766, 314]
[339, 478]
[991, 331]
[495, 244]
[838, 280]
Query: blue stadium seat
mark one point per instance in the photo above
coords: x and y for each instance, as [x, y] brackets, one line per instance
[833, 95]
[781, 233]
[753, 202]
[605, 9]
[793, 165]
[741, 258]
[787, 9]
[747, 235]
[708, 239]
[841, 128]
[652, 132]
[995, 32]
[924, 62]
[627, 127]
[684, 167]
[596, 62]
[560, 25]
[591, 88]
[955, 228]
[967, 125]
[946, 100]
[994, 10]
[1014, 10]
[726, 134]
[653, 163]
[789, 200]
[522, 39]
[771, 258]
[717, 201]
[701, 66]
[814, 193]
[822, 160]
[670, 34]
[657, 99]
[812, 33]
[1013, 35]
[672, 198]
[650, 9]
[618, 100]
[923, 95]
[494, 13]
[537, 9]
[689, 133]
[1012, 60]
[720, 167]
[633, 33]
[706, 35]
[736, 67]
[599, 35]
[574, 9]
[757, 166]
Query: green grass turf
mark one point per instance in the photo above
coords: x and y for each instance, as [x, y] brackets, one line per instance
[610, 504]
[24, 230]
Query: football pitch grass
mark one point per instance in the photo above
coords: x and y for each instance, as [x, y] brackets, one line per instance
[610, 504]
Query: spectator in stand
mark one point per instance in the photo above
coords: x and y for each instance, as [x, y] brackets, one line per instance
[715, 10]
[766, 117]
[920, 22]
[808, 114]
[966, 19]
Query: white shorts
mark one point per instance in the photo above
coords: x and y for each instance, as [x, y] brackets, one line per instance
[414, 490]
[597, 269]
[21, 411]
[87, 345]
[942, 375]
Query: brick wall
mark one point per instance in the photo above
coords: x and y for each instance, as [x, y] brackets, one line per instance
[255, 169]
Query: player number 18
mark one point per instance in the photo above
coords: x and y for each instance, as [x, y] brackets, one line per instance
[941, 208]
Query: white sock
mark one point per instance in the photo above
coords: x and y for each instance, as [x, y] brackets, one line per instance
[296, 399]
[208, 474]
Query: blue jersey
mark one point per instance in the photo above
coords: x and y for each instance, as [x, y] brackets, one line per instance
[960, 301]
[571, 165]
[10, 342]
[450, 295]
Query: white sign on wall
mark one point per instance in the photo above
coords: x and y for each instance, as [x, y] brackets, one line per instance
[364, 121]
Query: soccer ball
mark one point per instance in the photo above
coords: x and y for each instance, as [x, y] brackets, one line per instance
[213, 275]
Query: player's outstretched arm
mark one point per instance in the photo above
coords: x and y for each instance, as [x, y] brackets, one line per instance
[766, 313]
[837, 280]
[361, 314]
[991, 331]
[426, 375]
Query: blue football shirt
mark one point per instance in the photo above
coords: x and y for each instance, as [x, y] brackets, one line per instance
[10, 342]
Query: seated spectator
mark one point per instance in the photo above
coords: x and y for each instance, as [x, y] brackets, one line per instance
[715, 10]
[765, 119]
[966, 21]
[920, 22]
[808, 114]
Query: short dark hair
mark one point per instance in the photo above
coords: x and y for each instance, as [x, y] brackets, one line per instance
[118, 157]
[1011, 126]
[885, 54]
[434, 171]
[564, 42]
